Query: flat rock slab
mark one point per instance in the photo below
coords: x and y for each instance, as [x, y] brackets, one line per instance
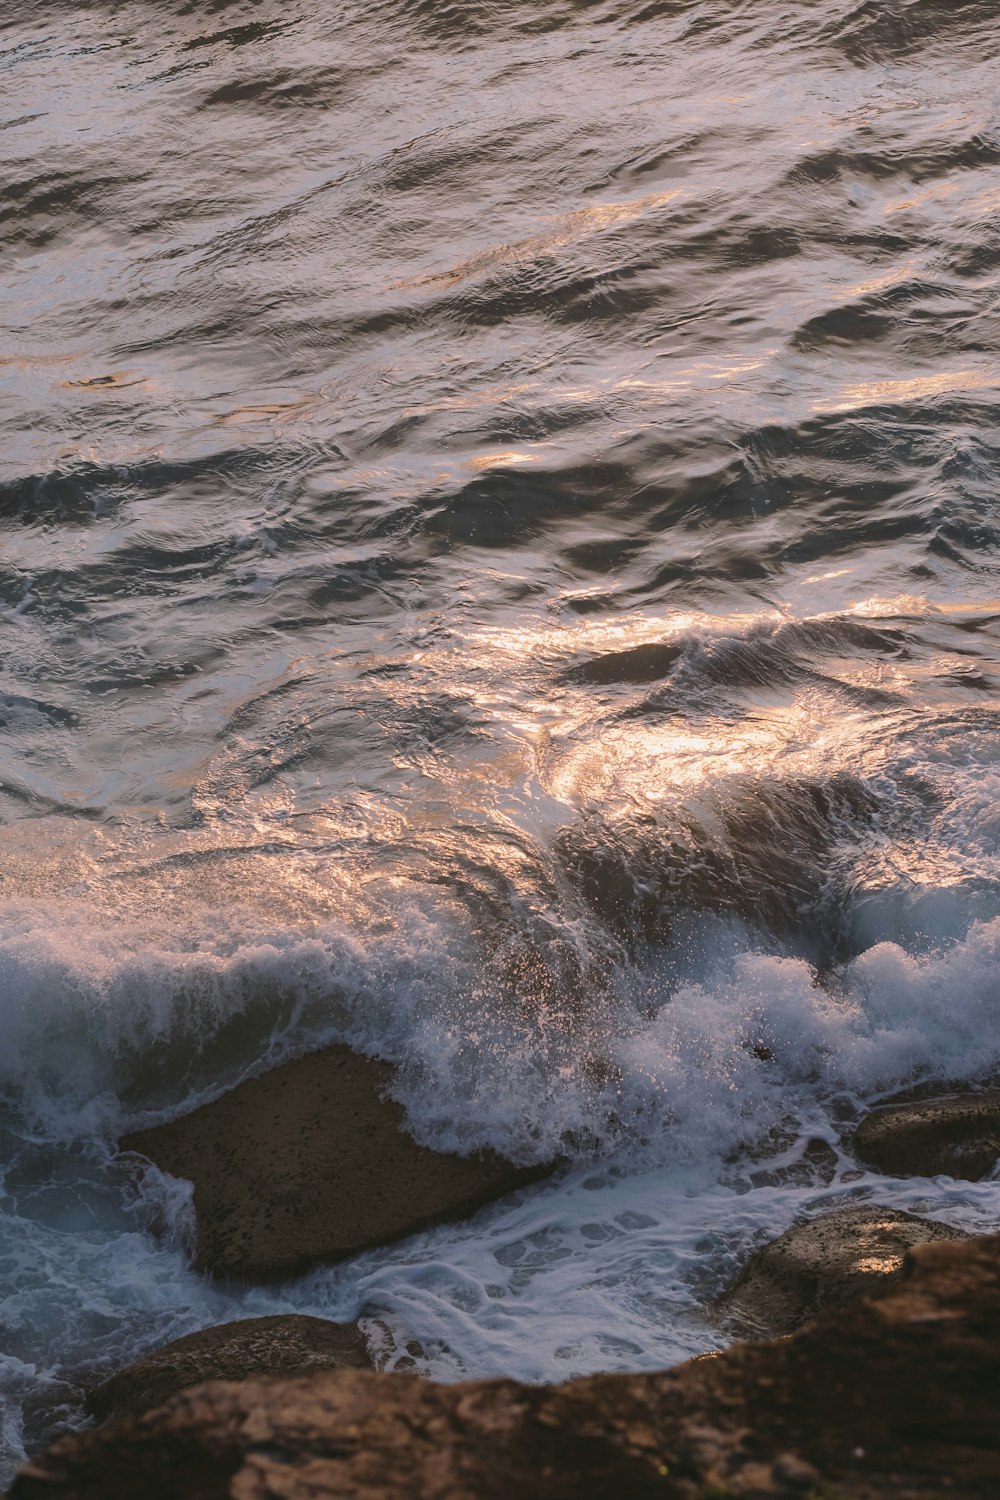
[891, 1397]
[311, 1163]
[824, 1264]
[288, 1344]
[954, 1136]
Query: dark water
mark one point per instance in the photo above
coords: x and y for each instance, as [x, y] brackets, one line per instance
[500, 527]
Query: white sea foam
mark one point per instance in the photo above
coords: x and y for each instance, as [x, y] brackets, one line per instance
[609, 1267]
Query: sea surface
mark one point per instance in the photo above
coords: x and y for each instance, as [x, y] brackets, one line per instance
[500, 540]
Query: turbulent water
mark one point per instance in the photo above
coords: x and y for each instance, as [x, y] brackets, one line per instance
[500, 540]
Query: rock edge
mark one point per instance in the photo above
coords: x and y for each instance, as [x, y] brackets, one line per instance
[891, 1396]
[311, 1162]
[284, 1344]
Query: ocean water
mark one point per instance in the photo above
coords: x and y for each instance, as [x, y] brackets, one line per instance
[500, 566]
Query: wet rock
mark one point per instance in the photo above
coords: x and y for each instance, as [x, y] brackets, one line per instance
[815, 1166]
[648, 662]
[760, 853]
[311, 1162]
[823, 1264]
[957, 1136]
[283, 1345]
[891, 1396]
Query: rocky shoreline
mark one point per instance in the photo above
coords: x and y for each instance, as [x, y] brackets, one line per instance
[892, 1396]
[879, 1383]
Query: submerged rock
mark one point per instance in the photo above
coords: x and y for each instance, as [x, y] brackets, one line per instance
[284, 1345]
[815, 1166]
[823, 1264]
[957, 1136]
[310, 1163]
[892, 1396]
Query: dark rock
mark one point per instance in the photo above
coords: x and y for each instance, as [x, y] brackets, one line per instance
[639, 664]
[823, 1264]
[311, 1162]
[894, 1396]
[283, 1345]
[957, 1136]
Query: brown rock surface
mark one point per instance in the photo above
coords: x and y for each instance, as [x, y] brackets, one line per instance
[823, 1264]
[284, 1345]
[894, 1396]
[958, 1135]
[311, 1162]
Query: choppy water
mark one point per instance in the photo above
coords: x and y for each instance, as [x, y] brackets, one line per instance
[500, 540]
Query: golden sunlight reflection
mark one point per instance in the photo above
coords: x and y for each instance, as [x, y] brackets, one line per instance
[586, 752]
[828, 574]
[567, 229]
[879, 1265]
[928, 194]
[987, 202]
[917, 388]
[900, 273]
[121, 379]
[718, 368]
[913, 606]
[645, 763]
[501, 460]
[275, 413]
[38, 361]
[559, 642]
[568, 716]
